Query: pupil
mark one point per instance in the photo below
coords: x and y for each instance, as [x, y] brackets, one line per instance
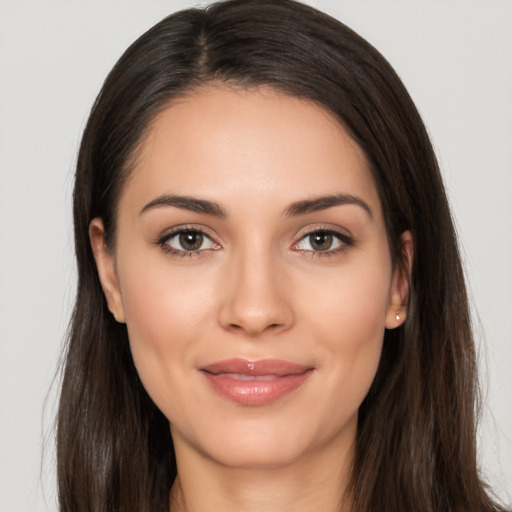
[321, 241]
[191, 241]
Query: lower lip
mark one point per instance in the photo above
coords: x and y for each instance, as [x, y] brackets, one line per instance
[256, 392]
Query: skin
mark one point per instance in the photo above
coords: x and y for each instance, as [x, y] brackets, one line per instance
[256, 289]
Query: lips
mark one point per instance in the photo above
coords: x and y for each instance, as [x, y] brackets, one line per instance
[255, 382]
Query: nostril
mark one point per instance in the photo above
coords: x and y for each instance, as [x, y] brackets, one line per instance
[255, 305]
[255, 329]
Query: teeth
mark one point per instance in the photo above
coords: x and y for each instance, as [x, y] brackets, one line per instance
[239, 376]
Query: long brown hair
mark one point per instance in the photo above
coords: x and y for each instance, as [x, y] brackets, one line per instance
[415, 447]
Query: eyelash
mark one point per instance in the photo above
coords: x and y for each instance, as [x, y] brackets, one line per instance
[163, 242]
[345, 242]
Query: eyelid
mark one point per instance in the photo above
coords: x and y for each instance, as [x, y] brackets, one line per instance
[344, 237]
[163, 240]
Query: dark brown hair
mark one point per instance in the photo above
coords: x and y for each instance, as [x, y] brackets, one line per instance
[415, 448]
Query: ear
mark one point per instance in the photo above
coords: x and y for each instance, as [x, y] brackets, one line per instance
[105, 264]
[396, 311]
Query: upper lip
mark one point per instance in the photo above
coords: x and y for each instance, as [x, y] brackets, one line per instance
[277, 367]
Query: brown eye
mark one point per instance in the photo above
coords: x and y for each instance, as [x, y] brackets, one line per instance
[190, 240]
[321, 241]
[187, 241]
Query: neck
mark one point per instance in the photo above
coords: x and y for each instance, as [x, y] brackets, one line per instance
[315, 482]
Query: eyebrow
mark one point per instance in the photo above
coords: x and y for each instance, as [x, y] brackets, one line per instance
[324, 202]
[208, 207]
[189, 203]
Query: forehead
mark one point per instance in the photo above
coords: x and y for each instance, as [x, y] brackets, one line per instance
[258, 144]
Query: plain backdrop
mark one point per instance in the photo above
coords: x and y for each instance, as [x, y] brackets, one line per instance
[454, 56]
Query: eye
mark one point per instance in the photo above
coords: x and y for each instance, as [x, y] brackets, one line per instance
[323, 240]
[187, 241]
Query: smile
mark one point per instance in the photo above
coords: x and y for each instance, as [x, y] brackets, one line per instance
[255, 382]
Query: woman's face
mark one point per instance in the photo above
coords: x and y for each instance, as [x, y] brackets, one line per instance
[253, 272]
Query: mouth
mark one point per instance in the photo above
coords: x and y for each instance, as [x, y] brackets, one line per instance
[255, 382]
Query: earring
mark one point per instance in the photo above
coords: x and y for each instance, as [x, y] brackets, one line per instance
[397, 315]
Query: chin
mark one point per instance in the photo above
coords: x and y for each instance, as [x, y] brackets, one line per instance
[257, 453]
[264, 443]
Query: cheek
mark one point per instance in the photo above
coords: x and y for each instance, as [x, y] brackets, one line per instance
[351, 302]
[151, 306]
[348, 320]
[162, 298]
[165, 311]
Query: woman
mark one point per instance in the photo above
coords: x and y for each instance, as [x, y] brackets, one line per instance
[271, 311]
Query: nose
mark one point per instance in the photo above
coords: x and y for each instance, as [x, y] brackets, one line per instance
[256, 296]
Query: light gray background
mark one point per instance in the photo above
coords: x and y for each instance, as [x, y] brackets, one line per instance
[454, 56]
